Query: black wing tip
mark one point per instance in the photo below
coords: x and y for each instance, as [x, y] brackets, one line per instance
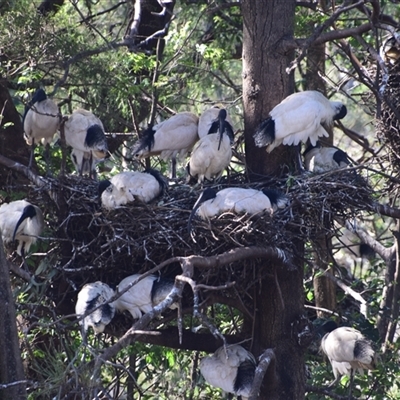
[102, 186]
[161, 179]
[265, 133]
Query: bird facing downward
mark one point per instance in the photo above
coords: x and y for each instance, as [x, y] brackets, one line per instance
[22, 221]
[144, 295]
[297, 118]
[230, 368]
[91, 296]
[322, 159]
[348, 350]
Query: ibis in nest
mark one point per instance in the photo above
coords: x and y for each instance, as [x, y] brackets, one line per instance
[21, 221]
[347, 350]
[144, 295]
[172, 138]
[212, 153]
[125, 187]
[322, 159]
[231, 368]
[41, 121]
[93, 299]
[237, 200]
[209, 122]
[85, 132]
[298, 118]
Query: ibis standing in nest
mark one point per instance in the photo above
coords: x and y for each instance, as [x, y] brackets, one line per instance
[231, 368]
[238, 200]
[21, 221]
[298, 118]
[144, 295]
[322, 159]
[347, 350]
[208, 122]
[124, 187]
[93, 299]
[213, 153]
[172, 138]
[85, 132]
[41, 121]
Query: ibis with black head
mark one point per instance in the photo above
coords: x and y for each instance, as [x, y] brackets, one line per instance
[322, 159]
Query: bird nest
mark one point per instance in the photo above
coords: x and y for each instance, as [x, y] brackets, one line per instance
[89, 243]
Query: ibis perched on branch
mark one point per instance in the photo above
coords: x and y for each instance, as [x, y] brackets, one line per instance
[85, 132]
[348, 351]
[231, 368]
[212, 154]
[238, 200]
[94, 299]
[143, 296]
[298, 118]
[124, 187]
[41, 121]
[322, 159]
[169, 139]
[21, 221]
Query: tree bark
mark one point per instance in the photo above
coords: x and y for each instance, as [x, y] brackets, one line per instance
[267, 25]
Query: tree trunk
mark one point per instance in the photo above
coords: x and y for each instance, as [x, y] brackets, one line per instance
[11, 369]
[265, 84]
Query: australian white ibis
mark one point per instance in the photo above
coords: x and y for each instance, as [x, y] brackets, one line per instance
[298, 118]
[230, 368]
[85, 132]
[143, 296]
[124, 187]
[95, 297]
[22, 221]
[41, 121]
[322, 159]
[169, 139]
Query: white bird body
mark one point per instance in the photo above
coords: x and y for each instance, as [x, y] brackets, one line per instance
[207, 118]
[85, 132]
[41, 119]
[91, 296]
[206, 161]
[142, 297]
[171, 138]
[231, 369]
[323, 159]
[298, 118]
[22, 221]
[348, 349]
[126, 186]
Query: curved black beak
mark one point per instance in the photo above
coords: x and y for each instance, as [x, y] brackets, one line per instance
[28, 212]
[221, 129]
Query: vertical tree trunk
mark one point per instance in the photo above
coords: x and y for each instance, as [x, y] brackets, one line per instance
[11, 369]
[267, 25]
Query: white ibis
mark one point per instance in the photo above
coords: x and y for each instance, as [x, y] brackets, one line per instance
[22, 221]
[85, 132]
[212, 154]
[95, 297]
[41, 121]
[124, 187]
[172, 138]
[348, 351]
[322, 159]
[230, 368]
[298, 118]
[237, 200]
[209, 122]
[142, 297]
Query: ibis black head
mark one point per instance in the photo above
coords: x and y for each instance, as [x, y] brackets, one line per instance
[207, 194]
[28, 212]
[341, 113]
[103, 185]
[341, 157]
[38, 96]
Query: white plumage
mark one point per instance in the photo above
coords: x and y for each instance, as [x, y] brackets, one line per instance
[348, 350]
[298, 118]
[210, 117]
[322, 159]
[85, 132]
[22, 221]
[125, 186]
[231, 369]
[142, 297]
[91, 296]
[171, 138]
